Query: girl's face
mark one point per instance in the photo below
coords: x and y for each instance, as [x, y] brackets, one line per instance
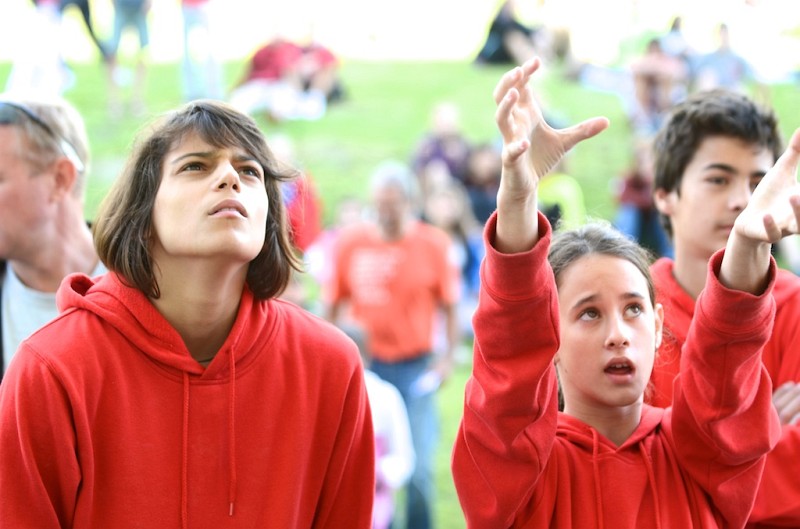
[211, 202]
[609, 333]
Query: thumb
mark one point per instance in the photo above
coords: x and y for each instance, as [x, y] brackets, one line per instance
[583, 130]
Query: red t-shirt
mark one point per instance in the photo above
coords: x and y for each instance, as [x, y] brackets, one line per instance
[395, 288]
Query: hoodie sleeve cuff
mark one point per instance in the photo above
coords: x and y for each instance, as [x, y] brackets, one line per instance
[515, 276]
[733, 311]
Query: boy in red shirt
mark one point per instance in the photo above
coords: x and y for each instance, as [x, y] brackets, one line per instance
[710, 155]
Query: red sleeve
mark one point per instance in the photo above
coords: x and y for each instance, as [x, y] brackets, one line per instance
[778, 500]
[39, 471]
[507, 431]
[351, 473]
[723, 419]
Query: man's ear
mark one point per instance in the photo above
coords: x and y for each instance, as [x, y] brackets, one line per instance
[65, 174]
[665, 200]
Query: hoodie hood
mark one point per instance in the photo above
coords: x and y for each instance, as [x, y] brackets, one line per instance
[586, 438]
[129, 311]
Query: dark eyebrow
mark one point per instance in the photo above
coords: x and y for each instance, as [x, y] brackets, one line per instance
[592, 297]
[720, 166]
[209, 155]
[202, 154]
[729, 169]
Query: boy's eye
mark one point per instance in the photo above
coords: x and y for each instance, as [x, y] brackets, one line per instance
[717, 180]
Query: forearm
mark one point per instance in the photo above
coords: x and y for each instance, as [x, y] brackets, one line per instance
[723, 419]
[745, 265]
[517, 220]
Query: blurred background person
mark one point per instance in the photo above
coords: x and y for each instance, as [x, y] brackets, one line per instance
[289, 81]
[44, 160]
[508, 41]
[395, 277]
[201, 70]
[129, 14]
[394, 451]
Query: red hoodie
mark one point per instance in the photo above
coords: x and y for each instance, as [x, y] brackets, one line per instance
[518, 462]
[778, 500]
[107, 422]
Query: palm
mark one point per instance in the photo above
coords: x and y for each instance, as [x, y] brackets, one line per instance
[523, 128]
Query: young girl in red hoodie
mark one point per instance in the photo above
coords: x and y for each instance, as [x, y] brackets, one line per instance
[178, 390]
[587, 319]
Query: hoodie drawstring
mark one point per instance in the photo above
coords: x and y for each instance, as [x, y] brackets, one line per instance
[232, 434]
[597, 489]
[231, 445]
[652, 481]
[185, 455]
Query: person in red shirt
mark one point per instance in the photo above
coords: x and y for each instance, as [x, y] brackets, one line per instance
[710, 157]
[288, 80]
[396, 279]
[580, 312]
[178, 390]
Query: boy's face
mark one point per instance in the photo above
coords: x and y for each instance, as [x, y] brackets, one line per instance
[716, 186]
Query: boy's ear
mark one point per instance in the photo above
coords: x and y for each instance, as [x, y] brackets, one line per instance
[665, 201]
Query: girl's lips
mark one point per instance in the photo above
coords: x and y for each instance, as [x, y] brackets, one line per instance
[229, 206]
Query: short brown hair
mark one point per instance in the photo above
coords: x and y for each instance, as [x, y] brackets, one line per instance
[123, 227]
[599, 237]
[717, 112]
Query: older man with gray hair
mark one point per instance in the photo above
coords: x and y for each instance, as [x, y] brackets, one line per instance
[397, 279]
[44, 159]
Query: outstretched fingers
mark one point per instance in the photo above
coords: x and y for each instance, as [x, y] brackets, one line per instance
[515, 136]
[515, 78]
[791, 156]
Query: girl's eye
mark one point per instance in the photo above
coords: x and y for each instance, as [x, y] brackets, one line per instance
[589, 314]
[193, 166]
[634, 310]
[251, 171]
[716, 180]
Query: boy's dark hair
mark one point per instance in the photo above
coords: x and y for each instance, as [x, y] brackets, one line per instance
[715, 112]
[123, 227]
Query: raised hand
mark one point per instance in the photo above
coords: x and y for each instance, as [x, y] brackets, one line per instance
[774, 209]
[772, 213]
[524, 129]
[531, 148]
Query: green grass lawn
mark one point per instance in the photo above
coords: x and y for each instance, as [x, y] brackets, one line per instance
[385, 113]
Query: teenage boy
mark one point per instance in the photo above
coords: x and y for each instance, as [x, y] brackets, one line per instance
[709, 156]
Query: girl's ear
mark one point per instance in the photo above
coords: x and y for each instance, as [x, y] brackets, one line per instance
[659, 322]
